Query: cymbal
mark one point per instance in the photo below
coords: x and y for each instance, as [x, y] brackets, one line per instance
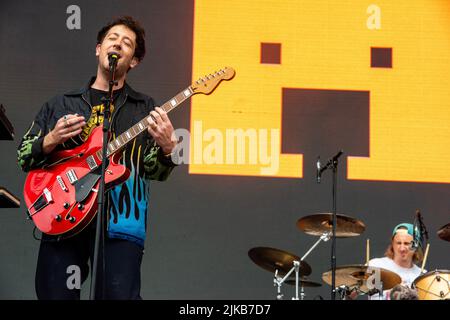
[320, 223]
[357, 275]
[272, 259]
[302, 282]
[444, 232]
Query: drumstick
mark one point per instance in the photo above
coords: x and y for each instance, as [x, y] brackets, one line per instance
[367, 251]
[425, 257]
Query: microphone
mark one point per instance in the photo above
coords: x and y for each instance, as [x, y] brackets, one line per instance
[420, 232]
[318, 174]
[414, 245]
[113, 57]
[332, 162]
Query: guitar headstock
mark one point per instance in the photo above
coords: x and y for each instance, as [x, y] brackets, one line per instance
[208, 83]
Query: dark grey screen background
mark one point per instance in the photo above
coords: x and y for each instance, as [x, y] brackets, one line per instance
[200, 227]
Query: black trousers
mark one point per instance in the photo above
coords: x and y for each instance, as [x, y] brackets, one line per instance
[61, 262]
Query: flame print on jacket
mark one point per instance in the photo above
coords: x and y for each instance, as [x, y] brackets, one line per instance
[129, 202]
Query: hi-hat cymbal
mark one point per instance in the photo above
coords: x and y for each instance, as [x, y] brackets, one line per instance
[302, 282]
[272, 259]
[320, 223]
[444, 232]
[356, 276]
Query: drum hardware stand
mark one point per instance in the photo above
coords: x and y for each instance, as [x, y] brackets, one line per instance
[278, 281]
[344, 291]
[376, 285]
[379, 291]
[333, 164]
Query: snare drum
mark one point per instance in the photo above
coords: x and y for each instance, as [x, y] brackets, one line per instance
[433, 285]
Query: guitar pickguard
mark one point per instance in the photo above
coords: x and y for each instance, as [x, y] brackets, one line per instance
[84, 186]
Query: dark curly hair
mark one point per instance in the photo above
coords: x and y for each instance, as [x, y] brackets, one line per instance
[132, 24]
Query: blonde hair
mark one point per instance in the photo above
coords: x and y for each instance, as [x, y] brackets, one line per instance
[417, 257]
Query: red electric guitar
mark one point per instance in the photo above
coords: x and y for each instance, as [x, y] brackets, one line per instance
[62, 197]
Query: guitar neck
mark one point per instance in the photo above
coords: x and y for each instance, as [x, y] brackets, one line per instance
[204, 85]
[126, 137]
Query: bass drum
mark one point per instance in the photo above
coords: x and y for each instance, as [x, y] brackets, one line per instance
[433, 285]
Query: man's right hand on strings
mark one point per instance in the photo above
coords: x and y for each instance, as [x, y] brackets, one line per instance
[66, 127]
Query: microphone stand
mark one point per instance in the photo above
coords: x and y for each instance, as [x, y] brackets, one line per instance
[421, 238]
[333, 164]
[422, 228]
[99, 246]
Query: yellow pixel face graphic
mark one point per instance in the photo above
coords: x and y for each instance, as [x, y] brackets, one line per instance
[323, 45]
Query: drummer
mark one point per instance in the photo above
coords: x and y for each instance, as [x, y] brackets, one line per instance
[401, 256]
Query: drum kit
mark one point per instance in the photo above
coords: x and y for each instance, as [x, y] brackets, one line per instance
[433, 285]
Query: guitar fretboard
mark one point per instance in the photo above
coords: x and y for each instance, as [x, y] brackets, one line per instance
[127, 136]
